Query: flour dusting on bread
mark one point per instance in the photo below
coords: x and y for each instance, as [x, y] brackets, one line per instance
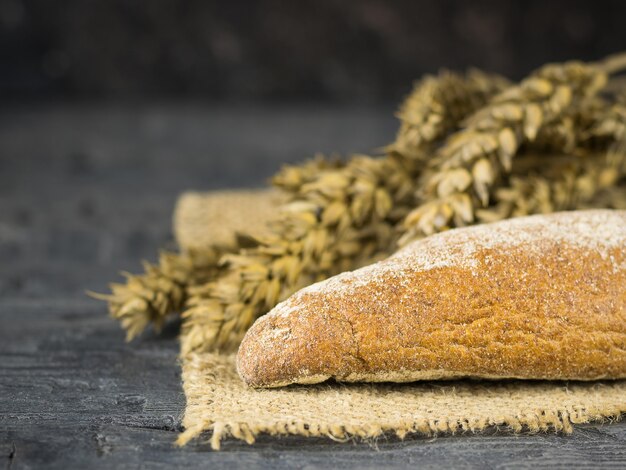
[599, 229]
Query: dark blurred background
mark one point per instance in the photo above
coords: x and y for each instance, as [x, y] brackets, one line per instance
[334, 51]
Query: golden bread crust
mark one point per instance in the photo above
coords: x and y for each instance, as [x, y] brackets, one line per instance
[541, 297]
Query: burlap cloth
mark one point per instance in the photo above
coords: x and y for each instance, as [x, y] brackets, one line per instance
[218, 401]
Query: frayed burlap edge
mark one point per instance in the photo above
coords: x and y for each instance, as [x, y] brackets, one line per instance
[219, 402]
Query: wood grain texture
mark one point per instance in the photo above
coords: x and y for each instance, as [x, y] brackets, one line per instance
[87, 191]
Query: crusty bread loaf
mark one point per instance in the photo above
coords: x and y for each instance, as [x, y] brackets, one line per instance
[540, 297]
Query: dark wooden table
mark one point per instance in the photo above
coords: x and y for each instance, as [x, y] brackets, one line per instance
[87, 191]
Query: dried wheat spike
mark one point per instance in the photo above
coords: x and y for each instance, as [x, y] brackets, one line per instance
[549, 183]
[341, 219]
[150, 297]
[290, 178]
[610, 122]
[607, 130]
[437, 105]
[474, 159]
[570, 132]
[577, 162]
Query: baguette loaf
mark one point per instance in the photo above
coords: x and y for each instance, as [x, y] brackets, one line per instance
[540, 297]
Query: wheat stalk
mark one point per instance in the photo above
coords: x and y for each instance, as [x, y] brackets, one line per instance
[162, 290]
[610, 122]
[472, 161]
[343, 218]
[290, 178]
[541, 184]
[436, 106]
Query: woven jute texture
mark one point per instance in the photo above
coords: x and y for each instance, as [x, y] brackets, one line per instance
[219, 402]
[202, 219]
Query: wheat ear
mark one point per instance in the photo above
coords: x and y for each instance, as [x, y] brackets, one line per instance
[161, 290]
[468, 166]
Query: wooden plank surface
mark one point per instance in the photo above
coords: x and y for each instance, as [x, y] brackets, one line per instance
[86, 191]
